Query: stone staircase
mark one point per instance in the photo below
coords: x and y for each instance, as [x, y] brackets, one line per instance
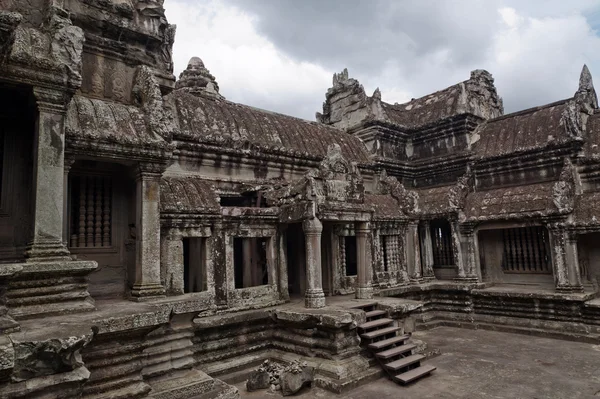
[393, 351]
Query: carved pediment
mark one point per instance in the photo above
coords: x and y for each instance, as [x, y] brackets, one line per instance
[407, 200]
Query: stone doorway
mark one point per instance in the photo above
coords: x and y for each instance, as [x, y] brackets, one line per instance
[17, 131]
[101, 224]
[296, 260]
[589, 258]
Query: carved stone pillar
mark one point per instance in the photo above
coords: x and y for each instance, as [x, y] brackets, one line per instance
[218, 248]
[364, 290]
[314, 296]
[402, 255]
[67, 168]
[413, 252]
[48, 178]
[284, 292]
[147, 265]
[470, 253]
[427, 251]
[248, 272]
[565, 262]
[457, 252]
[171, 259]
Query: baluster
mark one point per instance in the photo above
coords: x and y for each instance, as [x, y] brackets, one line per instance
[343, 253]
[106, 225]
[82, 211]
[98, 213]
[506, 260]
[528, 239]
[90, 212]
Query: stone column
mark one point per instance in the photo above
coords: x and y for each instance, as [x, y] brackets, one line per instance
[48, 178]
[470, 253]
[427, 248]
[565, 262]
[314, 296]
[67, 168]
[414, 252]
[218, 249]
[284, 292]
[247, 275]
[364, 289]
[402, 255]
[147, 264]
[171, 255]
[461, 273]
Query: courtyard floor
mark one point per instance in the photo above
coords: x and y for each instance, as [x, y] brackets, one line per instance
[486, 364]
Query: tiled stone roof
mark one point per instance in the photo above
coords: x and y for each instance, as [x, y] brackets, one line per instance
[111, 122]
[434, 200]
[213, 120]
[508, 202]
[386, 206]
[188, 195]
[522, 131]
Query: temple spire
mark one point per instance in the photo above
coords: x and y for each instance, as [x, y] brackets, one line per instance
[197, 80]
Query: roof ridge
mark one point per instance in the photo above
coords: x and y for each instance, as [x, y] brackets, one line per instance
[529, 110]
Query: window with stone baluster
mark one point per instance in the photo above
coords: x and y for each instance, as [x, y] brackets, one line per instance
[90, 211]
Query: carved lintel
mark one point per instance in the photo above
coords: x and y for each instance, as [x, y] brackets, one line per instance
[149, 170]
[51, 100]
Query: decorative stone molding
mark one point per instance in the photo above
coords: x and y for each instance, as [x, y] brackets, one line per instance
[57, 47]
[563, 191]
[408, 200]
[147, 95]
[8, 25]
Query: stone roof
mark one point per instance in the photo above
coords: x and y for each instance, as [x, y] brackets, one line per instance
[587, 209]
[592, 139]
[188, 195]
[110, 122]
[526, 130]
[434, 200]
[207, 119]
[510, 202]
[426, 110]
[347, 105]
[386, 206]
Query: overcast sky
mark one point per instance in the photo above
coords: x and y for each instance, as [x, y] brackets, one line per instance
[280, 55]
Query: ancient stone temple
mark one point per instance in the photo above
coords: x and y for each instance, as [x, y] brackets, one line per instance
[156, 237]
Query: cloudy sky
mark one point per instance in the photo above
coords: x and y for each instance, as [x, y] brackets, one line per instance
[281, 54]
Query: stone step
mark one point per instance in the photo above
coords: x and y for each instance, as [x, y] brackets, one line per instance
[397, 351]
[184, 384]
[379, 345]
[220, 390]
[375, 324]
[364, 305]
[404, 362]
[133, 391]
[375, 313]
[380, 333]
[414, 374]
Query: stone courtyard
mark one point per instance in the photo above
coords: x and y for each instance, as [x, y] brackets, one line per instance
[489, 365]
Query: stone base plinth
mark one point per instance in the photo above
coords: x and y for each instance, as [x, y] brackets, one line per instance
[364, 293]
[145, 292]
[314, 299]
[45, 288]
[570, 289]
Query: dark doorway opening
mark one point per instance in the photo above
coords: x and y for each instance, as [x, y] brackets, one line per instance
[296, 259]
[250, 261]
[194, 265]
[351, 256]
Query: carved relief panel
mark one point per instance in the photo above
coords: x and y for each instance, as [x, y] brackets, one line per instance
[105, 77]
